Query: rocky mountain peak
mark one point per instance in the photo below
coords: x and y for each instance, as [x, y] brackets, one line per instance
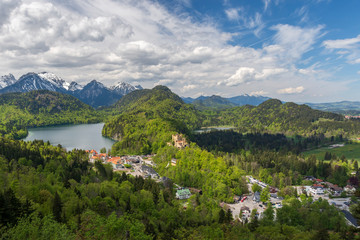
[7, 80]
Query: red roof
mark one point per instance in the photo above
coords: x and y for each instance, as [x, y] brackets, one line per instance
[93, 151]
[114, 160]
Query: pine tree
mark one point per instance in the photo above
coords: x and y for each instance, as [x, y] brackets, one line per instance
[57, 207]
[228, 216]
[221, 216]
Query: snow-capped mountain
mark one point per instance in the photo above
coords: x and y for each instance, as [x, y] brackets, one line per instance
[74, 86]
[51, 77]
[7, 80]
[124, 88]
[32, 81]
[94, 93]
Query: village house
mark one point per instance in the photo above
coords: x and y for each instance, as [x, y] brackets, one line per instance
[319, 181]
[179, 141]
[91, 152]
[349, 189]
[116, 163]
[334, 189]
[317, 189]
[183, 193]
[94, 158]
[103, 157]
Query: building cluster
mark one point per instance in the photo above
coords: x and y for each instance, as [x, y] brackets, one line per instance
[273, 191]
[320, 187]
[128, 163]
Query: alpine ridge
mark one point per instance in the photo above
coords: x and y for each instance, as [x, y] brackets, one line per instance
[7, 80]
[94, 93]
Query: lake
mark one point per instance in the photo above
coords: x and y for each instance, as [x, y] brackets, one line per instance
[81, 136]
[209, 129]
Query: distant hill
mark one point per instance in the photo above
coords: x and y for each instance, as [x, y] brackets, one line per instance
[343, 107]
[218, 102]
[147, 119]
[289, 118]
[41, 108]
[248, 100]
[213, 102]
[94, 93]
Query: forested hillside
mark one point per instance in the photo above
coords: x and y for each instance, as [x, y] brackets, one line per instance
[47, 191]
[274, 117]
[213, 102]
[50, 193]
[147, 119]
[41, 108]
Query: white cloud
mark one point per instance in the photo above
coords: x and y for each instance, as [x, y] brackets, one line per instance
[266, 4]
[164, 82]
[189, 87]
[233, 14]
[248, 74]
[6, 7]
[141, 41]
[291, 90]
[258, 93]
[295, 41]
[349, 48]
[36, 26]
[142, 53]
[186, 3]
[303, 13]
[253, 23]
[242, 75]
[348, 43]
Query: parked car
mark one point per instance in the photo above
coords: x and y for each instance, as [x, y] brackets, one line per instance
[243, 199]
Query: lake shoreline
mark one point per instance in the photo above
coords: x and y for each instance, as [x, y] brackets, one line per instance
[81, 136]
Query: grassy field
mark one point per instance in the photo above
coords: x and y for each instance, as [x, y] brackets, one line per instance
[350, 151]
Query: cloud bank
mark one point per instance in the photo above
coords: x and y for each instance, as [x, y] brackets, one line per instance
[142, 41]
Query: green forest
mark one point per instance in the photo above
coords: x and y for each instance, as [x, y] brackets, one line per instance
[18, 111]
[47, 191]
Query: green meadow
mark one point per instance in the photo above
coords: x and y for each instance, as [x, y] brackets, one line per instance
[350, 151]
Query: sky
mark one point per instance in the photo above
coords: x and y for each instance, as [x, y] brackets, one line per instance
[293, 50]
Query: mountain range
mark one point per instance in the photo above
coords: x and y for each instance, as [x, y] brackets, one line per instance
[94, 93]
[97, 94]
[218, 102]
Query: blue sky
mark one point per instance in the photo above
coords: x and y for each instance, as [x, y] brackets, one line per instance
[293, 50]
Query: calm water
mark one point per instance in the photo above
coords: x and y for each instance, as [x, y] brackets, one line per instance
[82, 136]
[212, 129]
